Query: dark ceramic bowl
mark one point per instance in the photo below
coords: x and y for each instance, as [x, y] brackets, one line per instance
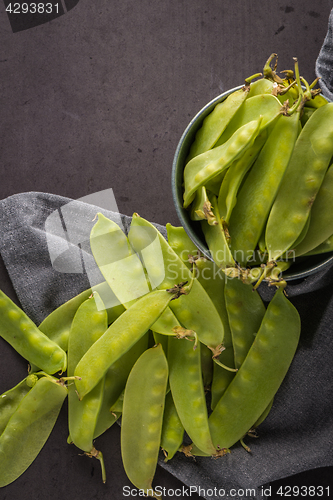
[302, 267]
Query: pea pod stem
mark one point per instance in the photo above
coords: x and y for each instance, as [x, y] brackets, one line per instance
[99, 455]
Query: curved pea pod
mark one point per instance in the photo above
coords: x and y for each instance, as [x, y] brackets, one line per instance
[188, 392]
[258, 192]
[172, 429]
[227, 195]
[119, 338]
[122, 268]
[10, 400]
[306, 170]
[216, 237]
[267, 106]
[246, 311]
[114, 384]
[215, 123]
[24, 336]
[260, 375]
[194, 311]
[206, 166]
[29, 428]
[321, 220]
[58, 323]
[212, 279]
[262, 86]
[142, 418]
[89, 324]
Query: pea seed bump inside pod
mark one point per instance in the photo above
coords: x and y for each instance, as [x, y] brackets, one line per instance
[306, 170]
[25, 337]
[206, 166]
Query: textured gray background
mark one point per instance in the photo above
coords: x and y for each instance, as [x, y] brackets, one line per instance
[99, 98]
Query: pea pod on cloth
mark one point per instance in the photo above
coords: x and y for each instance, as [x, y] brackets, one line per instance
[306, 170]
[120, 337]
[260, 375]
[188, 393]
[172, 429]
[58, 323]
[114, 384]
[208, 165]
[89, 324]
[194, 311]
[24, 336]
[142, 418]
[29, 427]
[246, 311]
[123, 270]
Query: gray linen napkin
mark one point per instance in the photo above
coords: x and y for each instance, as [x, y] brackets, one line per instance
[37, 229]
[324, 60]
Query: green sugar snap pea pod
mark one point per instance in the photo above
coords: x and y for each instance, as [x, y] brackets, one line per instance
[246, 311]
[320, 221]
[188, 392]
[114, 384]
[212, 279]
[216, 237]
[123, 270]
[142, 418]
[260, 375]
[207, 273]
[265, 105]
[230, 185]
[194, 311]
[89, 324]
[58, 323]
[261, 86]
[172, 429]
[215, 123]
[10, 400]
[24, 336]
[29, 427]
[258, 192]
[206, 166]
[306, 170]
[120, 337]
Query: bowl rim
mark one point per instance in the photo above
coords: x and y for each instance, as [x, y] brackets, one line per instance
[177, 192]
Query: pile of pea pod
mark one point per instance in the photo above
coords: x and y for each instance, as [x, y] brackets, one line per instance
[259, 174]
[188, 357]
